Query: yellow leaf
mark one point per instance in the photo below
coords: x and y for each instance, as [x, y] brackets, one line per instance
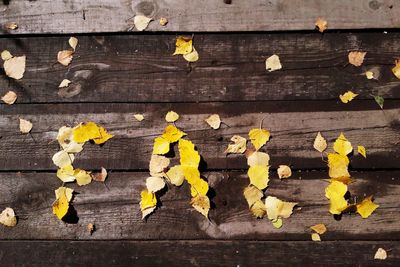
[161, 146]
[8, 218]
[259, 176]
[370, 75]
[90, 228]
[321, 24]
[11, 26]
[380, 254]
[85, 132]
[362, 151]
[319, 228]
[158, 164]
[259, 137]
[320, 143]
[73, 42]
[192, 56]
[366, 207]
[66, 173]
[238, 146]
[338, 165]
[148, 202]
[82, 177]
[201, 203]
[284, 171]
[64, 138]
[252, 194]
[277, 223]
[15, 67]
[104, 136]
[277, 208]
[198, 187]
[141, 22]
[347, 97]
[192, 174]
[155, 184]
[335, 192]
[258, 158]
[214, 121]
[138, 117]
[64, 190]
[163, 21]
[258, 209]
[62, 159]
[172, 134]
[356, 58]
[183, 45]
[64, 57]
[6, 55]
[189, 157]
[342, 146]
[64, 83]
[396, 70]
[9, 98]
[61, 205]
[315, 237]
[175, 175]
[273, 63]
[171, 116]
[25, 126]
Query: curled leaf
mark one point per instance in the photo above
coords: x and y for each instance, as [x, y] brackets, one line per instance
[8, 218]
[238, 146]
[347, 97]
[284, 171]
[273, 63]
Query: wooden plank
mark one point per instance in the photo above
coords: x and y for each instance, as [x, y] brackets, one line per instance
[207, 15]
[114, 208]
[141, 68]
[293, 127]
[196, 253]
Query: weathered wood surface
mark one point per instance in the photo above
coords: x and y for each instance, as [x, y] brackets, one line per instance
[141, 68]
[114, 208]
[197, 253]
[293, 127]
[207, 15]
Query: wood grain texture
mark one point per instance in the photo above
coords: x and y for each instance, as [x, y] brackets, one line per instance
[197, 253]
[293, 127]
[141, 68]
[114, 208]
[207, 15]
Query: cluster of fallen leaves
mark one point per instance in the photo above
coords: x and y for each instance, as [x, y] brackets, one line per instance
[188, 170]
[337, 190]
[71, 141]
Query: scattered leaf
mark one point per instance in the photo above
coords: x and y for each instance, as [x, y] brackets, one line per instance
[9, 98]
[64, 138]
[320, 143]
[192, 56]
[64, 83]
[277, 208]
[15, 67]
[158, 164]
[73, 42]
[8, 218]
[284, 171]
[138, 117]
[175, 175]
[155, 184]
[163, 21]
[238, 146]
[82, 177]
[90, 131]
[100, 176]
[25, 126]
[66, 173]
[11, 26]
[347, 97]
[380, 254]
[396, 69]
[259, 176]
[189, 157]
[6, 55]
[172, 116]
[201, 204]
[141, 22]
[64, 57]
[277, 223]
[319, 228]
[90, 228]
[273, 63]
[362, 151]
[356, 58]
[259, 137]
[366, 207]
[342, 146]
[335, 193]
[214, 121]
[252, 194]
[258, 158]
[321, 24]
[62, 159]
[258, 209]
[183, 45]
[148, 202]
[315, 237]
[370, 75]
[161, 146]
[379, 100]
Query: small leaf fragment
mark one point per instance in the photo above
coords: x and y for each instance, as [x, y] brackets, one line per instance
[369, 75]
[90, 228]
[9, 98]
[100, 176]
[64, 57]
[11, 26]
[64, 83]
[163, 21]
[138, 117]
[380, 254]
[321, 24]
[277, 223]
[284, 171]
[315, 237]
[192, 56]
[171, 116]
[183, 45]
[319, 228]
[238, 146]
[259, 137]
[6, 55]
[73, 42]
[259, 176]
[273, 63]
[25, 126]
[366, 207]
[201, 204]
[320, 143]
[8, 218]
[347, 97]
[141, 22]
[396, 69]
[362, 151]
[154, 184]
[342, 146]
[15, 67]
[82, 177]
[214, 121]
[379, 100]
[356, 58]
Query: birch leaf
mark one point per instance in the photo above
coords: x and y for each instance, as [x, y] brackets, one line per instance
[342, 146]
[66, 173]
[277, 223]
[25, 126]
[252, 194]
[320, 143]
[175, 175]
[161, 146]
[183, 45]
[258, 209]
[64, 57]
[319, 228]
[73, 42]
[192, 56]
[259, 176]
[158, 164]
[148, 202]
[273, 63]
[64, 83]
[277, 208]
[100, 176]
[356, 58]
[172, 116]
[315, 237]
[8, 218]
[258, 158]
[15, 67]
[380, 254]
[138, 117]
[201, 204]
[9, 98]
[62, 159]
[347, 97]
[155, 184]
[141, 22]
[6, 55]
[82, 177]
[61, 204]
[362, 151]
[214, 121]
[321, 24]
[284, 171]
[172, 134]
[338, 165]
[259, 137]
[366, 207]
[335, 192]
[379, 100]
[238, 146]
[395, 70]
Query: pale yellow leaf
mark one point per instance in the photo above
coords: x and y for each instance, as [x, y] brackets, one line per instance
[320, 143]
[25, 126]
[11, 26]
[6, 55]
[9, 98]
[370, 75]
[321, 24]
[64, 83]
[277, 223]
[141, 22]
[64, 57]
[138, 117]
[356, 58]
[315, 237]
[284, 171]
[62, 159]
[259, 176]
[64, 138]
[175, 175]
[277, 208]
[15, 67]
[73, 42]
[319, 228]
[66, 174]
[259, 137]
[238, 146]
[171, 116]
[64, 190]
[347, 97]
[8, 218]
[161, 146]
[380, 254]
[214, 121]
[158, 164]
[201, 204]
[163, 21]
[273, 63]
[258, 158]
[82, 177]
[252, 194]
[192, 56]
[155, 184]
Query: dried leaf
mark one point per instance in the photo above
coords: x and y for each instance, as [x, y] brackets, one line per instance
[138, 117]
[342, 146]
[258, 158]
[175, 175]
[277, 223]
[277, 208]
[6, 55]
[380, 254]
[90, 228]
[273, 63]
[11, 26]
[64, 83]
[82, 177]
[66, 173]
[172, 116]
[201, 204]
[100, 176]
[370, 75]
[155, 184]
[183, 45]
[362, 151]
[163, 21]
[9, 98]
[347, 97]
[73, 42]
[214, 121]
[25, 126]
[315, 237]
[158, 164]
[259, 137]
[64, 57]
[141, 22]
[8, 218]
[259, 176]
[379, 100]
[284, 171]
[258, 209]
[62, 159]
[335, 192]
[321, 24]
[356, 58]
[319, 228]
[192, 56]
[320, 143]
[238, 146]
[366, 207]
[15, 67]
[252, 194]
[148, 202]
[338, 165]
